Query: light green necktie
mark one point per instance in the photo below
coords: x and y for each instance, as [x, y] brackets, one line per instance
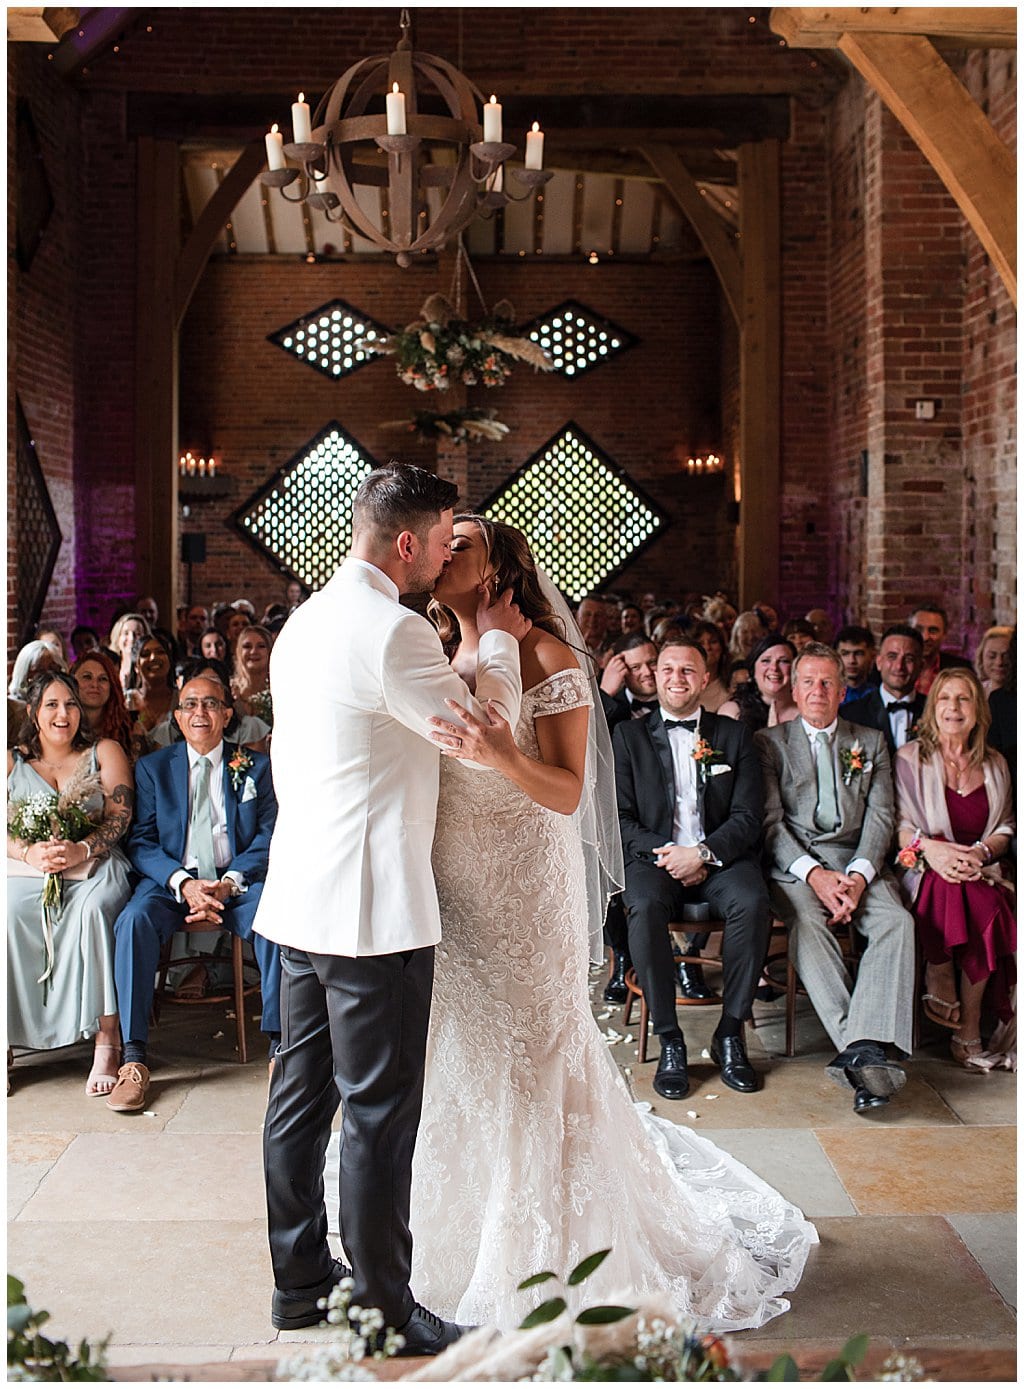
[826, 815]
[201, 822]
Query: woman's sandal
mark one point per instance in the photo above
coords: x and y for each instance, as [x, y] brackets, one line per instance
[101, 1081]
[941, 1010]
[966, 1053]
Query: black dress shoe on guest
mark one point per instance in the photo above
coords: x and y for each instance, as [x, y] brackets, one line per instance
[864, 1101]
[671, 1079]
[867, 1067]
[730, 1056]
[615, 990]
[294, 1309]
[427, 1334]
[691, 982]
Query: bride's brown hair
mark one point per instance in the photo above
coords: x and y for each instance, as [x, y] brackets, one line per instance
[515, 568]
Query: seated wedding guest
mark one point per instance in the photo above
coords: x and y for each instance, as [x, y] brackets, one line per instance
[250, 680]
[767, 696]
[799, 632]
[747, 631]
[55, 639]
[195, 623]
[992, 658]
[244, 730]
[667, 628]
[769, 616]
[213, 645]
[627, 682]
[74, 996]
[894, 707]
[721, 612]
[103, 701]
[152, 696]
[856, 648]
[932, 622]
[594, 616]
[84, 639]
[273, 612]
[737, 674]
[821, 625]
[125, 638]
[220, 615]
[956, 823]
[147, 609]
[631, 619]
[829, 822]
[1002, 705]
[237, 623]
[295, 594]
[692, 840]
[200, 843]
[34, 658]
[708, 636]
[242, 605]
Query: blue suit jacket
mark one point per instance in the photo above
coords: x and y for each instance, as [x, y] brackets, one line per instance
[156, 845]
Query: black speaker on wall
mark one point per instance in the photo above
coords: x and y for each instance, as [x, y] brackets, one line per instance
[193, 549]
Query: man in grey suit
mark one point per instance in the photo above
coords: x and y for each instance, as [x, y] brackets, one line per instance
[829, 822]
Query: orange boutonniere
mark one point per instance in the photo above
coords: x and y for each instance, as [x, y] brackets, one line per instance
[240, 765]
[852, 762]
[704, 754]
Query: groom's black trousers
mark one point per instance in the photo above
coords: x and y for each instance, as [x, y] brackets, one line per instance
[354, 1029]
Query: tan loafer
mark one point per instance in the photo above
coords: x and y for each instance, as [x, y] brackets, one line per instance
[129, 1094]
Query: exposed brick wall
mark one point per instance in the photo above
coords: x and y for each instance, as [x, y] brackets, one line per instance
[41, 371]
[255, 406]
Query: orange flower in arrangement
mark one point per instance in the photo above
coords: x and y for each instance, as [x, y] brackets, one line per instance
[704, 754]
[715, 1352]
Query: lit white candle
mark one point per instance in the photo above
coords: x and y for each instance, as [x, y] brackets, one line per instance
[535, 147]
[396, 111]
[497, 180]
[302, 131]
[492, 122]
[202, 467]
[212, 468]
[275, 148]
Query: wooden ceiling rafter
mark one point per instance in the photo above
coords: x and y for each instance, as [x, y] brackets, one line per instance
[892, 50]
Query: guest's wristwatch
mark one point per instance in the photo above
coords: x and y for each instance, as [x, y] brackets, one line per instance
[706, 856]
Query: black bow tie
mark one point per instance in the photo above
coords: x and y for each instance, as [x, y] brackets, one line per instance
[641, 707]
[898, 707]
[691, 724]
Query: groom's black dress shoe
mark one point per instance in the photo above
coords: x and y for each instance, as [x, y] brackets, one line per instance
[730, 1056]
[864, 1101]
[427, 1334]
[671, 1079]
[290, 1311]
[691, 982]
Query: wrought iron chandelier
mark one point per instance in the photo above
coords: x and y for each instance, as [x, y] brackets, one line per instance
[369, 131]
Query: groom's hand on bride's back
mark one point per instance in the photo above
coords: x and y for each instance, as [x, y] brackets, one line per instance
[500, 615]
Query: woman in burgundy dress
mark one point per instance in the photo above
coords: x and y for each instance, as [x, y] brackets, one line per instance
[956, 824]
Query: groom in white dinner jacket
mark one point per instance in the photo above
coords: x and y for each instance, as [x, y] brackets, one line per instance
[350, 895]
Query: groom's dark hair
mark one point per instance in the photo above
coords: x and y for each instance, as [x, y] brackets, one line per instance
[399, 497]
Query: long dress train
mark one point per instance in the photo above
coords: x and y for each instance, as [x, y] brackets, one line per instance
[531, 1153]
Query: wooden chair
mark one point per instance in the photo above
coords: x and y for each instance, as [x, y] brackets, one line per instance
[240, 990]
[696, 915]
[849, 944]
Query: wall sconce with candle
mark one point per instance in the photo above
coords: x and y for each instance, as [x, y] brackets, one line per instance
[201, 477]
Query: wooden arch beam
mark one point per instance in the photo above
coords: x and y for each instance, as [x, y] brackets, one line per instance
[195, 253]
[978, 169]
[710, 228]
[806, 26]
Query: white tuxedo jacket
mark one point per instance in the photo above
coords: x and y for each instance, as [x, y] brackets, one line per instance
[355, 677]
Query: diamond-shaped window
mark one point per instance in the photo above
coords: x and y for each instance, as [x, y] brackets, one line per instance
[331, 339]
[301, 518]
[576, 338]
[583, 515]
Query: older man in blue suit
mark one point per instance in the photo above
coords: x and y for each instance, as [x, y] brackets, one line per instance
[204, 814]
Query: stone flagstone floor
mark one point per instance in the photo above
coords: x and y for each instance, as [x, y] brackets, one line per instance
[151, 1227]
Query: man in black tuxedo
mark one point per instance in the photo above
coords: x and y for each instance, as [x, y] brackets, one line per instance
[932, 622]
[628, 687]
[690, 809]
[895, 707]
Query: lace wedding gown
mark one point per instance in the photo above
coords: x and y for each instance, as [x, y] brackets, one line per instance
[531, 1153]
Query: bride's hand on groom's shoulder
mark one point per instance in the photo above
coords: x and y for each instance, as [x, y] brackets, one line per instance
[489, 744]
[501, 614]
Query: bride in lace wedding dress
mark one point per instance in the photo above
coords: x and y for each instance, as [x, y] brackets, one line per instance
[531, 1153]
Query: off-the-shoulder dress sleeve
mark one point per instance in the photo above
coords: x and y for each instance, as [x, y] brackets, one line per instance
[566, 689]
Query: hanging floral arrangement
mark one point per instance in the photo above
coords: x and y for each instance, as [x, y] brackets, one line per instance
[440, 349]
[457, 426]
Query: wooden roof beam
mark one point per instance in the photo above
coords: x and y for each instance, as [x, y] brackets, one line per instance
[980, 27]
[715, 236]
[34, 24]
[933, 106]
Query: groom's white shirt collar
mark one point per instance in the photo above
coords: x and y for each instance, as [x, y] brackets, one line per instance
[390, 587]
